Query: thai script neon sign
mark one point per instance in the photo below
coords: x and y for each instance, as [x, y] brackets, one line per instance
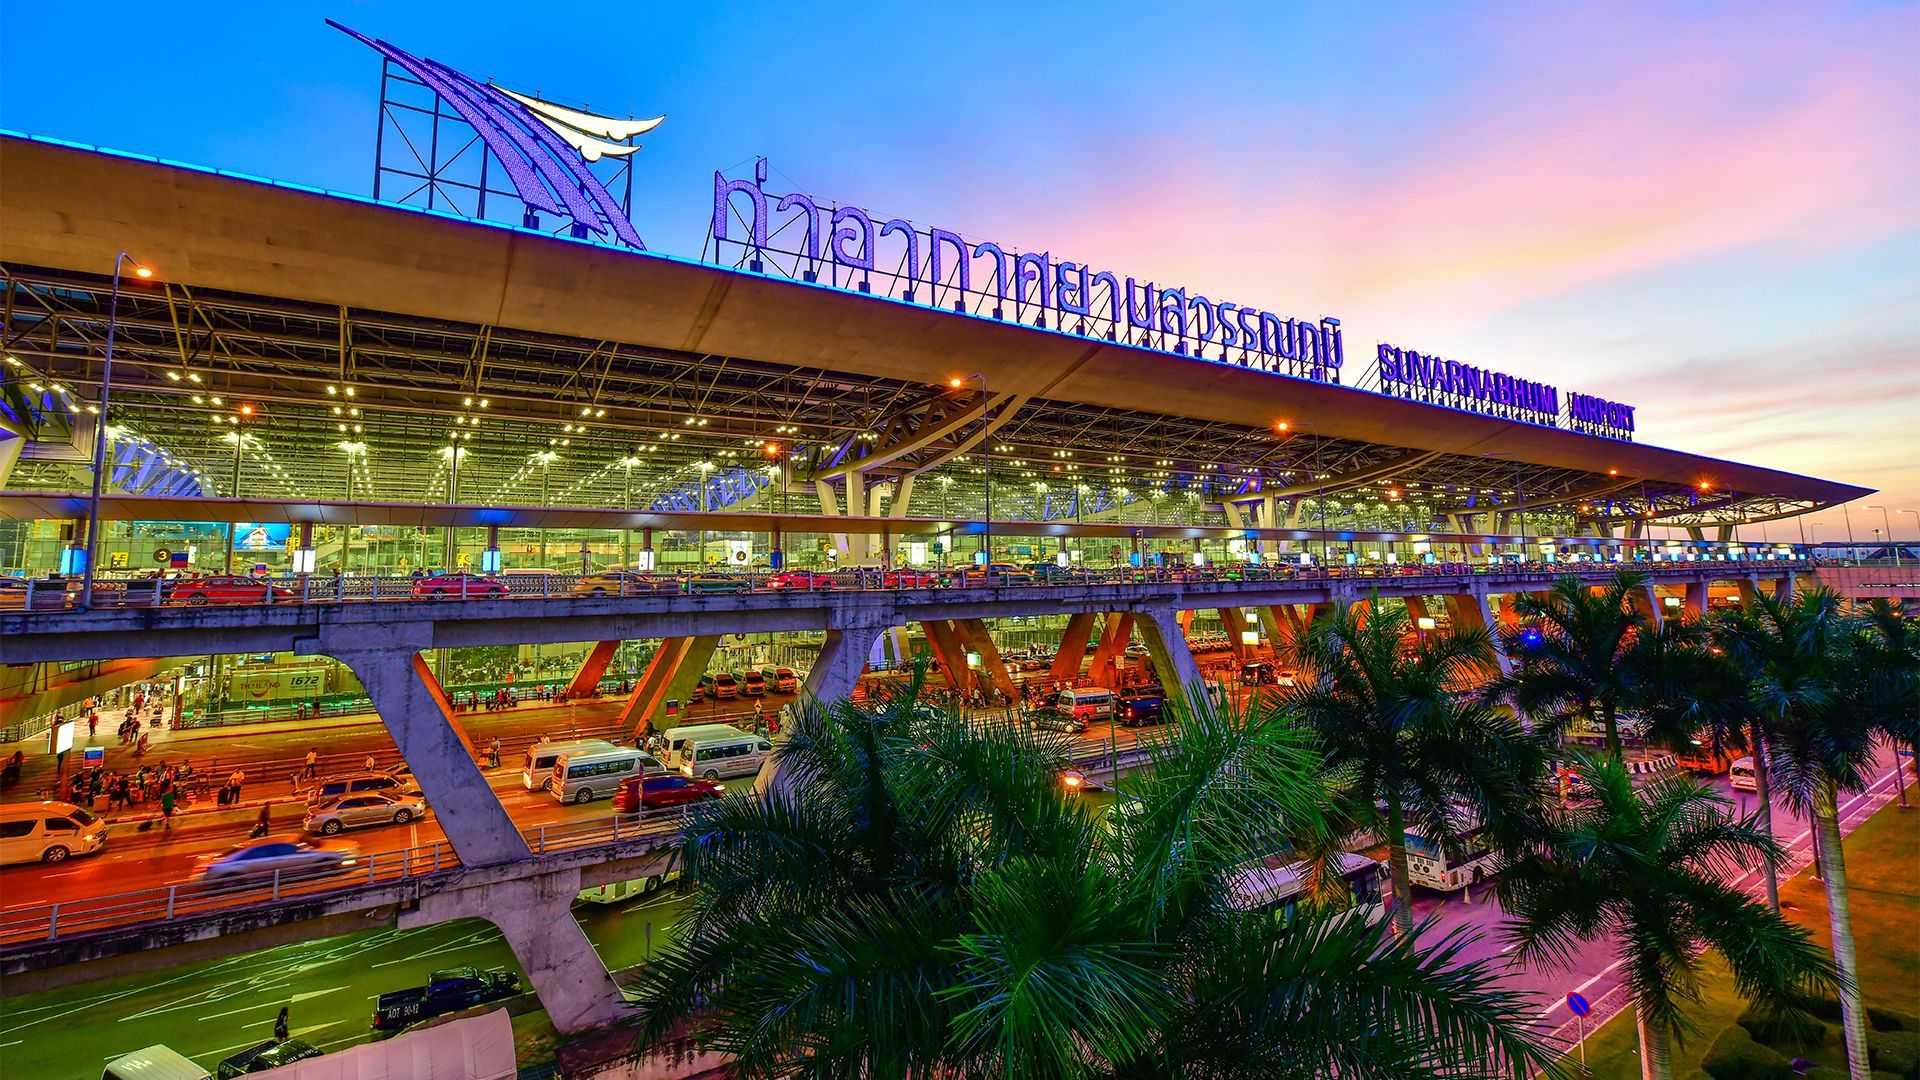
[1409, 374]
[938, 267]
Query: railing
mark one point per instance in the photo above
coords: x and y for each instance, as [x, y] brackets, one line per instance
[120, 911]
[55, 595]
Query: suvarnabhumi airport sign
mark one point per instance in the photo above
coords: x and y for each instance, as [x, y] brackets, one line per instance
[1409, 374]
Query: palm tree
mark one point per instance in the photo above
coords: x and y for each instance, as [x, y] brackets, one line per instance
[1404, 732]
[919, 897]
[1887, 686]
[1648, 870]
[1822, 723]
[1583, 657]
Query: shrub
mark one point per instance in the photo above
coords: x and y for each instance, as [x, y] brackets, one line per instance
[1735, 1056]
[1824, 1072]
[1897, 1052]
[1782, 1028]
[1885, 1019]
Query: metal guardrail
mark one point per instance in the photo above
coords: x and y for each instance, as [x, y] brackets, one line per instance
[129, 910]
[51, 595]
[120, 911]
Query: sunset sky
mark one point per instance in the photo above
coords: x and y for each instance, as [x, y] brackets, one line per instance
[1712, 212]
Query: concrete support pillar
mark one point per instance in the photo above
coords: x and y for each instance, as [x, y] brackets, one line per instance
[1471, 611]
[1185, 617]
[417, 715]
[592, 669]
[830, 507]
[1647, 603]
[976, 638]
[1235, 622]
[859, 545]
[1284, 626]
[896, 640]
[1417, 609]
[1113, 645]
[11, 444]
[952, 656]
[842, 659]
[1172, 660]
[1696, 604]
[1749, 587]
[1073, 647]
[1783, 588]
[535, 917]
[676, 668]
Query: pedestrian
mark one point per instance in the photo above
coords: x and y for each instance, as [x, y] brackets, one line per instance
[167, 798]
[264, 822]
[234, 782]
[369, 762]
[313, 763]
[140, 748]
[93, 724]
[493, 753]
[280, 1026]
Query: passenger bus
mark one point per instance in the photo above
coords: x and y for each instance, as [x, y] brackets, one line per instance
[1274, 886]
[1429, 865]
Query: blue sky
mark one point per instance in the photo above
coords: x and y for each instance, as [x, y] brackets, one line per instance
[1712, 210]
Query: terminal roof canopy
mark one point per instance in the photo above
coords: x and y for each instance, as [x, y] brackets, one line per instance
[608, 358]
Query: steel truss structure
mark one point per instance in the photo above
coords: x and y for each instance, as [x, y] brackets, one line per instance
[349, 403]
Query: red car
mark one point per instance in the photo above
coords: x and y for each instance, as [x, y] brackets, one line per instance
[908, 579]
[459, 584]
[805, 579]
[657, 792]
[199, 591]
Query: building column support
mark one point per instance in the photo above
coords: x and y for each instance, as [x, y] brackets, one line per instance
[1172, 659]
[1234, 620]
[975, 636]
[671, 676]
[1472, 611]
[417, 714]
[947, 650]
[1113, 644]
[1073, 647]
[592, 669]
[1696, 602]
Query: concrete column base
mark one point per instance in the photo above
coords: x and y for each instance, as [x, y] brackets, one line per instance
[1471, 611]
[586, 680]
[535, 916]
[1235, 622]
[1113, 645]
[444, 761]
[947, 649]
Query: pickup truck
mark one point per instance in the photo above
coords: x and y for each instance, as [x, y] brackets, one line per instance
[446, 991]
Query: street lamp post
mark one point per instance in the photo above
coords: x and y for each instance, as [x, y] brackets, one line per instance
[1916, 522]
[1848, 518]
[241, 414]
[100, 426]
[1887, 520]
[986, 472]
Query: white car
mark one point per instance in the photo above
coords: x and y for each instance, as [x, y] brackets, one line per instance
[290, 856]
[364, 808]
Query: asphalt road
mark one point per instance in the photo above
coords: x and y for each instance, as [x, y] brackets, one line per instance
[210, 1011]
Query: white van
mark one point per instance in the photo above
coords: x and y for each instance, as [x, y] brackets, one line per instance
[541, 756]
[584, 775]
[713, 757]
[1274, 885]
[1740, 775]
[1087, 702]
[677, 739]
[48, 832]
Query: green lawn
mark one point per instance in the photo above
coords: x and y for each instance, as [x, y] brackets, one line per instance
[1883, 868]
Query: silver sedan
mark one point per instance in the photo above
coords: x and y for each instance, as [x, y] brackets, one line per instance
[365, 808]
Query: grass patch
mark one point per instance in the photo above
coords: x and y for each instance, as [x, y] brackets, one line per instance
[1883, 873]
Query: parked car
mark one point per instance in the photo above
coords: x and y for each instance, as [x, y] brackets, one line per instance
[267, 1055]
[290, 856]
[1049, 718]
[621, 583]
[357, 811]
[658, 792]
[221, 589]
[806, 580]
[360, 783]
[908, 579]
[459, 584]
[449, 990]
[1137, 709]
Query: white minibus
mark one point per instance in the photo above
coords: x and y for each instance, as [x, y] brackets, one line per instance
[715, 757]
[677, 738]
[541, 756]
[1087, 702]
[48, 832]
[581, 776]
